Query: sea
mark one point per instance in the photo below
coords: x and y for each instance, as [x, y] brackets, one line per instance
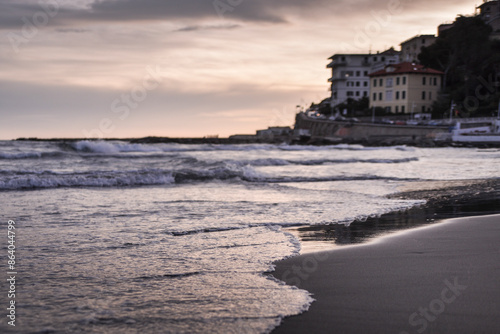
[115, 237]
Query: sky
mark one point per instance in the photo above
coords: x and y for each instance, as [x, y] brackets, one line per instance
[185, 68]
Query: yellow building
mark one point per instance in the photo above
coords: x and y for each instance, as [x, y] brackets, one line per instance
[405, 88]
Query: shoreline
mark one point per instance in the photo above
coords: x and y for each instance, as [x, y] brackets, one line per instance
[378, 285]
[415, 281]
[444, 200]
[252, 139]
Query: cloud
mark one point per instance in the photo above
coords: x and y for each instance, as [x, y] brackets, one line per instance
[14, 13]
[208, 27]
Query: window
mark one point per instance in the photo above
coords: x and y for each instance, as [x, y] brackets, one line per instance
[380, 96]
[357, 93]
[342, 58]
[398, 81]
[388, 109]
[397, 109]
[397, 95]
[346, 74]
[358, 84]
[366, 73]
[358, 73]
[375, 58]
[374, 82]
[404, 80]
[388, 82]
[423, 95]
[423, 108]
[383, 58]
[424, 80]
[435, 82]
[350, 93]
[388, 95]
[381, 82]
[402, 108]
[365, 84]
[403, 95]
[374, 96]
[365, 94]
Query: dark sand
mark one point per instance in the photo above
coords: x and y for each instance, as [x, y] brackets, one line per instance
[443, 278]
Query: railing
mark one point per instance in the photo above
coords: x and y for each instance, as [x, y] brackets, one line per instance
[475, 120]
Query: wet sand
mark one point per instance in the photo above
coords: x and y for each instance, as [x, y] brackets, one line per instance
[442, 278]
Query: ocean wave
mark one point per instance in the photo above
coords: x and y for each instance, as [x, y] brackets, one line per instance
[20, 180]
[30, 155]
[347, 147]
[316, 162]
[122, 149]
[50, 179]
[110, 147]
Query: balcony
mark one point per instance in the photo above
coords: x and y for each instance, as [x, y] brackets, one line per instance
[338, 78]
[335, 64]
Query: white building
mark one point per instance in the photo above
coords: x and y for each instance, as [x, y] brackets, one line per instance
[350, 74]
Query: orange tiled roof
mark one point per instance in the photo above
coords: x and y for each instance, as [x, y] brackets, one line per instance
[405, 68]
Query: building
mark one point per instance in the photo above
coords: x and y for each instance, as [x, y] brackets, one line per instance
[444, 27]
[350, 73]
[278, 133]
[489, 11]
[411, 48]
[405, 88]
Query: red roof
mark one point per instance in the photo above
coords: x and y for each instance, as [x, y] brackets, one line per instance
[404, 68]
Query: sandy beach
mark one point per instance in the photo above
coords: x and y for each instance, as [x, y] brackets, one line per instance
[441, 278]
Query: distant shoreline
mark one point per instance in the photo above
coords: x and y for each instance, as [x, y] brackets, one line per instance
[256, 140]
[160, 140]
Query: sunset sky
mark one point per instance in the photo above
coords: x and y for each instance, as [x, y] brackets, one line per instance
[132, 68]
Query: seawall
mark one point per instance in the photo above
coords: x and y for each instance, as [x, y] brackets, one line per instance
[367, 133]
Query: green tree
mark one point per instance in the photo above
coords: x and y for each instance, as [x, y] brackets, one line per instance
[354, 107]
[470, 60]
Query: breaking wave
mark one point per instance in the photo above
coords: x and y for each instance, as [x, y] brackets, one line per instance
[110, 147]
[121, 149]
[16, 180]
[30, 155]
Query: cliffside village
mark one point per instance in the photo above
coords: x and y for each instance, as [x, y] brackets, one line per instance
[391, 80]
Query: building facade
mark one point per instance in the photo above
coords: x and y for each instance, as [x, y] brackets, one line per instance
[489, 11]
[405, 88]
[411, 48]
[350, 74]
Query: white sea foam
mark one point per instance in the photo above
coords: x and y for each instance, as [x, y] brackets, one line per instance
[111, 147]
[20, 155]
[49, 179]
